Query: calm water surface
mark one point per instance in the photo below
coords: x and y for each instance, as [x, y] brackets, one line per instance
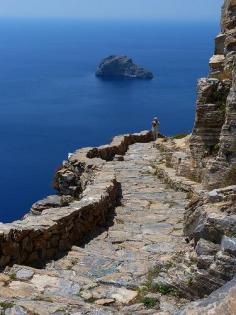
[51, 103]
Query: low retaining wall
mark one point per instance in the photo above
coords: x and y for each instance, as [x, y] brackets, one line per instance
[79, 170]
[168, 175]
[119, 145]
[39, 238]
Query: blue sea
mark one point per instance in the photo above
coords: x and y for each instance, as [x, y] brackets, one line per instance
[51, 103]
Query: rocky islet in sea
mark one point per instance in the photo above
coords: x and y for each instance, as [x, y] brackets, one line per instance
[121, 67]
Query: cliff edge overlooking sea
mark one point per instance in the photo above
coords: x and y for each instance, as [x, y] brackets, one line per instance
[137, 227]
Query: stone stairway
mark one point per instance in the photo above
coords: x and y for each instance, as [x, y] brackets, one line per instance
[110, 273]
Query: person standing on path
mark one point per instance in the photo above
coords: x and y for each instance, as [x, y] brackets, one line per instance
[155, 128]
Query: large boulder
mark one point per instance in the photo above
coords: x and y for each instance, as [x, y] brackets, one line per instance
[121, 67]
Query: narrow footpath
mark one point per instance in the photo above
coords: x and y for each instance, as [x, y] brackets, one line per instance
[107, 275]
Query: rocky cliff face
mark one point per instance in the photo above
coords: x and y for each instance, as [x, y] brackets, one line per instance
[213, 140]
[204, 164]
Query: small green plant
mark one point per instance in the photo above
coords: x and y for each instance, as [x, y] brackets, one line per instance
[119, 221]
[147, 285]
[179, 136]
[149, 302]
[91, 300]
[215, 149]
[189, 195]
[163, 289]
[193, 177]
[6, 305]
[230, 234]
[69, 267]
[190, 282]
[73, 263]
[222, 107]
[12, 276]
[176, 293]
[169, 264]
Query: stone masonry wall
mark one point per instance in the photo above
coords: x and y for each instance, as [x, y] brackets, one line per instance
[37, 238]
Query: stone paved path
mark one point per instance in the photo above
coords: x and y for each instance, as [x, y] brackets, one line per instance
[103, 276]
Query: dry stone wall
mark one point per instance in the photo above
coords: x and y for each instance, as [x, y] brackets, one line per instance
[58, 225]
[81, 167]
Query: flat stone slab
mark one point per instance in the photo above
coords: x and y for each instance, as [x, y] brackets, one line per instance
[161, 248]
[154, 228]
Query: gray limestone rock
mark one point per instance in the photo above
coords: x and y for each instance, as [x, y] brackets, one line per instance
[15, 310]
[24, 274]
[204, 261]
[205, 247]
[228, 245]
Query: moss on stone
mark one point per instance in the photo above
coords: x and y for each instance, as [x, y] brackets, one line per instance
[149, 302]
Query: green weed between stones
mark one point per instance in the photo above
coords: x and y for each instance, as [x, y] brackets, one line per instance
[189, 195]
[230, 234]
[161, 288]
[91, 300]
[12, 276]
[6, 305]
[165, 290]
[149, 302]
[190, 282]
[149, 287]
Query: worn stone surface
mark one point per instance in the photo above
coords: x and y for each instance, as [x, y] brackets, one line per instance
[105, 274]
